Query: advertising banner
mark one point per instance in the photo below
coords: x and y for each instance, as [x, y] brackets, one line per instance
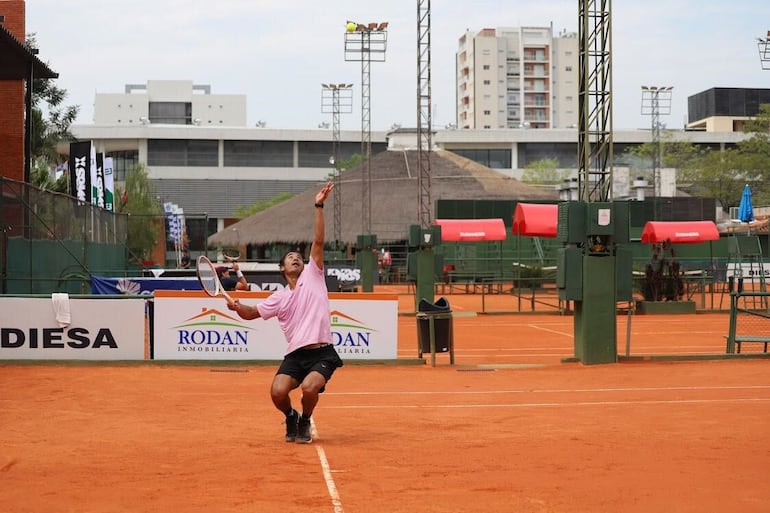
[749, 271]
[109, 185]
[97, 329]
[97, 181]
[135, 286]
[194, 326]
[80, 171]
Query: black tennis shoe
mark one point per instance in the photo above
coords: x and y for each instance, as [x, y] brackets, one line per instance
[303, 431]
[291, 426]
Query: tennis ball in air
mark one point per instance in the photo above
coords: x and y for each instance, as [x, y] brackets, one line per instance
[350, 26]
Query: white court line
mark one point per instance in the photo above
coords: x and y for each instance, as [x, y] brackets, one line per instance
[330, 485]
[557, 390]
[541, 405]
[534, 326]
[496, 350]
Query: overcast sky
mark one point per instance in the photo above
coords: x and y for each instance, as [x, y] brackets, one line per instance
[278, 52]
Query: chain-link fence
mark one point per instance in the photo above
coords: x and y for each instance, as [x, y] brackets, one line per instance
[51, 242]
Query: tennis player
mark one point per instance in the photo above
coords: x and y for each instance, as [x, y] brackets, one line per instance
[303, 311]
[228, 281]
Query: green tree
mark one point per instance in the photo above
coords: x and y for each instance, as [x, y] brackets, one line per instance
[145, 216]
[682, 155]
[43, 177]
[48, 131]
[544, 171]
[714, 174]
[723, 174]
[753, 160]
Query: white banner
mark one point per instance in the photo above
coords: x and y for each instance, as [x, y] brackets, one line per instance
[96, 179]
[190, 325]
[109, 185]
[99, 329]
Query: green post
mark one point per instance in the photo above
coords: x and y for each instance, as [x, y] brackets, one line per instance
[367, 262]
[366, 258]
[424, 286]
[595, 320]
[733, 322]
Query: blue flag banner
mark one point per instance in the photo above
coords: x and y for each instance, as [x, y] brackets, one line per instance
[135, 286]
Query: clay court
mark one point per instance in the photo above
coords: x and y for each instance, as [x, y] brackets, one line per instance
[509, 428]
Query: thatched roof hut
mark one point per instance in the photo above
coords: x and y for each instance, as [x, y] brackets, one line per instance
[395, 200]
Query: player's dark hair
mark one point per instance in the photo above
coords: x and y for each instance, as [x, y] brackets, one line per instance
[282, 262]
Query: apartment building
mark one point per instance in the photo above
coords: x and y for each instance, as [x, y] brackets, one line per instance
[519, 77]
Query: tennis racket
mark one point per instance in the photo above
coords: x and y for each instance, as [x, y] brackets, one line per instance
[207, 276]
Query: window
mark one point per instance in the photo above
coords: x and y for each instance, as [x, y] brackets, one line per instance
[485, 67]
[171, 113]
[487, 112]
[567, 68]
[122, 162]
[487, 82]
[565, 153]
[198, 231]
[495, 159]
[182, 152]
[259, 154]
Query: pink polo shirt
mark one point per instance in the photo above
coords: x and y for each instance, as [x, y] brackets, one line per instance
[303, 313]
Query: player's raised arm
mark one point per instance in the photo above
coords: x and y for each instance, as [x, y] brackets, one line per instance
[317, 249]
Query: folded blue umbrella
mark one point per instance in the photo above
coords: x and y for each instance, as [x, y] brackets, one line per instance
[745, 210]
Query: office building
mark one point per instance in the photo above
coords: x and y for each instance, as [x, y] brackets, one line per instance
[724, 109]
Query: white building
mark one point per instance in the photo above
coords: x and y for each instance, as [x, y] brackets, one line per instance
[200, 155]
[520, 77]
[171, 102]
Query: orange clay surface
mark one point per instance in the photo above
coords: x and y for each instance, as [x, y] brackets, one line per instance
[508, 428]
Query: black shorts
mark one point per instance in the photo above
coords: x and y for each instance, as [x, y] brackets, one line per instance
[298, 364]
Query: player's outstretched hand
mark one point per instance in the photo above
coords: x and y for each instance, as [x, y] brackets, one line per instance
[233, 305]
[324, 193]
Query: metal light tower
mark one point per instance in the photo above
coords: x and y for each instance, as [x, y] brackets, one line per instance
[592, 263]
[367, 44]
[595, 101]
[336, 99]
[764, 51]
[656, 101]
[425, 258]
[424, 124]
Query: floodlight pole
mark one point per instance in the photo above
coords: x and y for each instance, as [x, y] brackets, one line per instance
[591, 227]
[336, 98]
[424, 257]
[656, 101]
[366, 44]
[424, 123]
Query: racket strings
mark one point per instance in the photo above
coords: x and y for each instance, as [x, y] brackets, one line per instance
[207, 277]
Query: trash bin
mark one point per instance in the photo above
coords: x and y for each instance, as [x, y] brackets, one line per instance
[440, 314]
